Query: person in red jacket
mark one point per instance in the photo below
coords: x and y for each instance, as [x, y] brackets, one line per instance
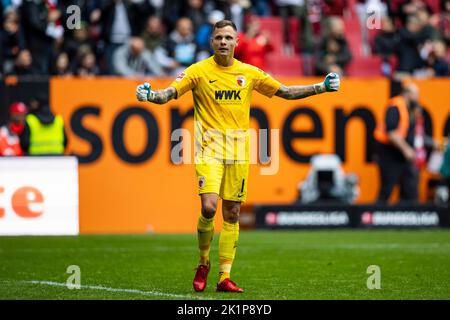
[254, 44]
[9, 133]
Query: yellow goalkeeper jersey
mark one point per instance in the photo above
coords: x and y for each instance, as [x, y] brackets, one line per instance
[222, 97]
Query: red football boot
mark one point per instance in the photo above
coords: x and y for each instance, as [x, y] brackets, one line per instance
[228, 286]
[200, 278]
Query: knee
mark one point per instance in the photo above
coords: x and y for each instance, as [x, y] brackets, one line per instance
[209, 210]
[231, 214]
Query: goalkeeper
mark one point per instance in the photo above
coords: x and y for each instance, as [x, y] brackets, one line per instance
[222, 88]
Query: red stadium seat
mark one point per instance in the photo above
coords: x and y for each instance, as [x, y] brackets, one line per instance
[354, 36]
[281, 65]
[365, 67]
[435, 5]
[294, 31]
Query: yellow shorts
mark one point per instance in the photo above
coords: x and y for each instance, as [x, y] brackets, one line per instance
[228, 180]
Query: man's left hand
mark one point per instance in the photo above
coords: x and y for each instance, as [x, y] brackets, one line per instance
[332, 82]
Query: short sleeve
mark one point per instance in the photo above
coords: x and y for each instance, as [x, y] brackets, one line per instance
[392, 118]
[185, 81]
[265, 84]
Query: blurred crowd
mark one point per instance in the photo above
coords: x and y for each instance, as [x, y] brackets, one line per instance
[417, 37]
[162, 37]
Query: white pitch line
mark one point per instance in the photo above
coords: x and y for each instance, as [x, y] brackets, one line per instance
[134, 291]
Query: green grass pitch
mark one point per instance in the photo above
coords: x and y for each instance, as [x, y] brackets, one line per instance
[279, 265]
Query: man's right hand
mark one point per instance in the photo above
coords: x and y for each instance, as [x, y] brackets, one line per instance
[143, 92]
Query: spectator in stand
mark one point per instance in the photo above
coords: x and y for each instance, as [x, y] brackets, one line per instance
[61, 65]
[44, 132]
[435, 59]
[387, 40]
[117, 17]
[400, 10]
[12, 40]
[195, 11]
[424, 16]
[412, 37]
[441, 21]
[24, 64]
[171, 12]
[86, 63]
[154, 37]
[154, 34]
[133, 59]
[9, 133]
[254, 44]
[333, 53]
[181, 45]
[42, 29]
[386, 45]
[77, 38]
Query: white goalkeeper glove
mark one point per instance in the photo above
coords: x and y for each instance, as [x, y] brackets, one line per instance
[144, 92]
[331, 83]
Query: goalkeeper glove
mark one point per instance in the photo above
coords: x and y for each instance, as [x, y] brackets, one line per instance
[331, 83]
[144, 92]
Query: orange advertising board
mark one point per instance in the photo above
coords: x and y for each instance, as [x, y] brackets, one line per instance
[128, 183]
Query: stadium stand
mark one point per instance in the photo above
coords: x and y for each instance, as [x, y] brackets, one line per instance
[98, 19]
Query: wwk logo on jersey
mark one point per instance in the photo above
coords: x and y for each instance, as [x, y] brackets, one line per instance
[228, 94]
[240, 81]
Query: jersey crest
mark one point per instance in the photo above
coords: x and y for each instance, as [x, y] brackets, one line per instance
[240, 81]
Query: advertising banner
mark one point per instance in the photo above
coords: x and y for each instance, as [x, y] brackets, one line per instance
[401, 216]
[303, 217]
[350, 216]
[39, 196]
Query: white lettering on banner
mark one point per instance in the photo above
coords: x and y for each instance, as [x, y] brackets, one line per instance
[39, 196]
[313, 218]
[410, 218]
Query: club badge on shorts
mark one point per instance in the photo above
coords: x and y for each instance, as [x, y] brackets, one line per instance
[240, 81]
[201, 181]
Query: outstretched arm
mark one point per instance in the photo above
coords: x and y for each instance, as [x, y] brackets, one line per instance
[295, 92]
[331, 83]
[163, 96]
[145, 93]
